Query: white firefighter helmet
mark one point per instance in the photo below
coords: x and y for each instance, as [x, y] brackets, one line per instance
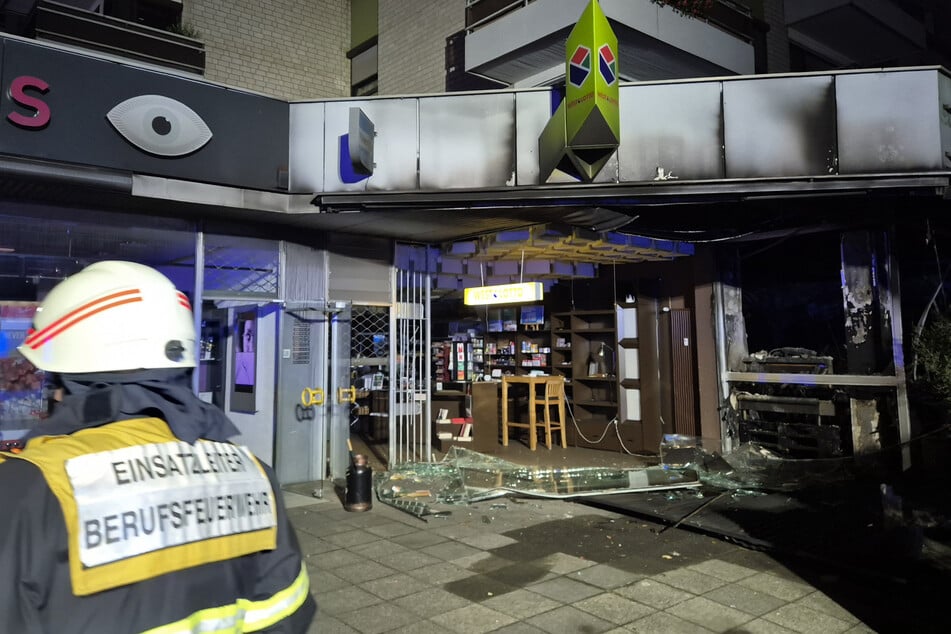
[112, 316]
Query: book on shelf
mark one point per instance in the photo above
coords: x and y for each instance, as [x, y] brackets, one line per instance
[444, 435]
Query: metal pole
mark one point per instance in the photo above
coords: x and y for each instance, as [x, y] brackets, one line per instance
[394, 303]
[197, 299]
[427, 351]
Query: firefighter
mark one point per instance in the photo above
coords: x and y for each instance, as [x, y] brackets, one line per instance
[128, 510]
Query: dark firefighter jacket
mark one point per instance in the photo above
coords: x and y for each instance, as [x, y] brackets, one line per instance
[125, 528]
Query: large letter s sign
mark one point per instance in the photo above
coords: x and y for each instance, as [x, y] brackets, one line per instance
[41, 111]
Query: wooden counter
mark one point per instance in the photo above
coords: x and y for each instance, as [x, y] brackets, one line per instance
[485, 415]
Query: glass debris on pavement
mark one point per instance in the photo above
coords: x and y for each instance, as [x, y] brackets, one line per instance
[687, 470]
[750, 469]
[464, 476]
[692, 479]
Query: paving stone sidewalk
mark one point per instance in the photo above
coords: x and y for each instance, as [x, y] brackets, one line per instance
[530, 565]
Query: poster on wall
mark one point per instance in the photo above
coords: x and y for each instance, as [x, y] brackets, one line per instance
[21, 385]
[509, 323]
[495, 320]
[245, 361]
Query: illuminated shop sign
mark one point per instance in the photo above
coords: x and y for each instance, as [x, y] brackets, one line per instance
[504, 294]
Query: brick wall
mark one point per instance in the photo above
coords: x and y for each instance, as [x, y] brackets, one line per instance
[412, 44]
[777, 43]
[291, 49]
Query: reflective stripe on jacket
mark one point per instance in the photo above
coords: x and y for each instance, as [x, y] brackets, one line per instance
[238, 586]
[244, 615]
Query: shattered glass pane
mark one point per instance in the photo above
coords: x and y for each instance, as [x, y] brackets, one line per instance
[466, 476]
[751, 467]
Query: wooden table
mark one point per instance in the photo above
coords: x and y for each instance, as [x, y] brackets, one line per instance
[531, 382]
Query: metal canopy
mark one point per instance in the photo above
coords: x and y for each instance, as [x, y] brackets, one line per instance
[630, 194]
[436, 217]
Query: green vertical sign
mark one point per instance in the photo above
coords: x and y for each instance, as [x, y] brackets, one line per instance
[591, 83]
[585, 131]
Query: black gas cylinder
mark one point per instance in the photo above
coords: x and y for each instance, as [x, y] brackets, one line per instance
[359, 493]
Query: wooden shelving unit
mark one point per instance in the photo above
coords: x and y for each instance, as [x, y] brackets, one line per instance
[458, 360]
[519, 352]
[442, 361]
[594, 393]
[534, 350]
[482, 401]
[599, 358]
[561, 357]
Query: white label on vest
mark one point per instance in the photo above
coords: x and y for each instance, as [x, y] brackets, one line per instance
[145, 498]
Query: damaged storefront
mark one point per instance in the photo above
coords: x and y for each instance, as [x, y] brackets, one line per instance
[733, 260]
[816, 371]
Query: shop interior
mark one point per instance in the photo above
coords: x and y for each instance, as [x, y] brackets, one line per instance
[609, 324]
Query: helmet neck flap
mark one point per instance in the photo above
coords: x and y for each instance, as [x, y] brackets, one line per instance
[95, 399]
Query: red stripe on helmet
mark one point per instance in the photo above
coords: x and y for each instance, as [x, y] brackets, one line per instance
[183, 300]
[68, 321]
[83, 317]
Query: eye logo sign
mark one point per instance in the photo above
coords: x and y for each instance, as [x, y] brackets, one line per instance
[607, 64]
[579, 67]
[159, 125]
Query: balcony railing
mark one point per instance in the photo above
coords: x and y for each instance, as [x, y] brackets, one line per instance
[727, 15]
[60, 22]
[481, 12]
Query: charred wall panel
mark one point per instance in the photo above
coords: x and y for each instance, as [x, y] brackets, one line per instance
[467, 141]
[532, 112]
[887, 122]
[782, 126]
[674, 126]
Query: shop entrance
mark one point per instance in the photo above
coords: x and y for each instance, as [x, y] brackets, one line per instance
[314, 394]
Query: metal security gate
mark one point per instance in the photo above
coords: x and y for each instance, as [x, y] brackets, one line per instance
[410, 416]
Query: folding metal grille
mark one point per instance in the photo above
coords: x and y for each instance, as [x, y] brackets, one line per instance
[369, 346]
[370, 335]
[410, 431]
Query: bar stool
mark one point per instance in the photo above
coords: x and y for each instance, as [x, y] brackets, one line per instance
[531, 425]
[554, 396]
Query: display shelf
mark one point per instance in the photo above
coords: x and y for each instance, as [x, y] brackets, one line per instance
[594, 391]
[479, 405]
[372, 408]
[210, 368]
[442, 363]
[561, 352]
[519, 352]
[458, 359]
[477, 356]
